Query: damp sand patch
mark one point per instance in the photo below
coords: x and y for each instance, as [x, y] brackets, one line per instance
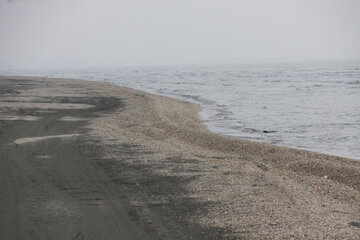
[36, 139]
[20, 99]
[56, 208]
[72, 119]
[45, 105]
[44, 156]
[19, 118]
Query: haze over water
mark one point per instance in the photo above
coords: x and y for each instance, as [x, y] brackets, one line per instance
[313, 106]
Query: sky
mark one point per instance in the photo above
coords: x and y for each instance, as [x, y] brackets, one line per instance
[112, 33]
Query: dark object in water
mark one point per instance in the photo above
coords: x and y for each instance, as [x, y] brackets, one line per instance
[266, 131]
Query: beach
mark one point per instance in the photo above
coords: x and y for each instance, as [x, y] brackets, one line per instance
[91, 160]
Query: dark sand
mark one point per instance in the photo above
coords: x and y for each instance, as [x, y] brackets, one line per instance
[87, 160]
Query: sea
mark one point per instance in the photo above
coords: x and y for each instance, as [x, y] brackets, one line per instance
[310, 105]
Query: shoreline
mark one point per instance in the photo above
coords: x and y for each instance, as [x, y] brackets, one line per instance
[162, 157]
[265, 132]
[198, 106]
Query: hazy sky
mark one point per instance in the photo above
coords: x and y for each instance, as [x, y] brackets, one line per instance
[81, 33]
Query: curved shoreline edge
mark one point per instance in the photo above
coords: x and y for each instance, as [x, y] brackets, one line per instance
[250, 189]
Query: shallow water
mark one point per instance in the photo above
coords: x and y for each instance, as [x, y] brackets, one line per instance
[313, 106]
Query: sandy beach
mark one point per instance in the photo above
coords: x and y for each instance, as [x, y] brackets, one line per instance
[90, 160]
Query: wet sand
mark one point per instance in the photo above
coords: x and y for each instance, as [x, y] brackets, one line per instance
[88, 160]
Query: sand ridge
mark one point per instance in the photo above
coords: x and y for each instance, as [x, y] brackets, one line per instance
[255, 190]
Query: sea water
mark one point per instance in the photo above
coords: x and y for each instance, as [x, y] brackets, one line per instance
[313, 106]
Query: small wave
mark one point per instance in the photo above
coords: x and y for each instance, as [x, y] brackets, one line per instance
[197, 98]
[354, 82]
[253, 130]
